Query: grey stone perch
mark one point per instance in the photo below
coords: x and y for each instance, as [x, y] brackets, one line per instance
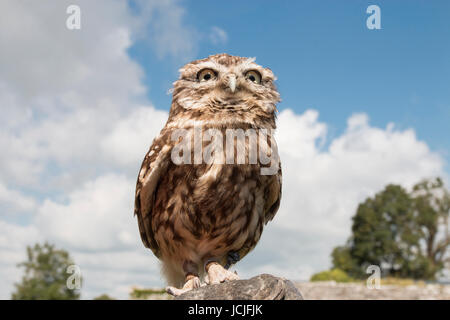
[261, 287]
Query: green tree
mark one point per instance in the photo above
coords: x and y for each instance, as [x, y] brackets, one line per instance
[45, 275]
[432, 210]
[341, 257]
[104, 297]
[337, 275]
[406, 234]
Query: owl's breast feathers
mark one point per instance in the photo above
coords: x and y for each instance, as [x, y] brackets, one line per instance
[188, 203]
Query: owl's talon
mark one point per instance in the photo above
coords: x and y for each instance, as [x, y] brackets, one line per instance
[218, 274]
[192, 283]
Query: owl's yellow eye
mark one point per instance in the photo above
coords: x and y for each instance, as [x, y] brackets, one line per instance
[206, 74]
[253, 76]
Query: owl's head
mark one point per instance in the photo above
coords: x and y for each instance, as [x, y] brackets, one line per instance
[222, 84]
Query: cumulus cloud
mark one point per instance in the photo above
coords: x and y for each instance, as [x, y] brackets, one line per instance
[330, 182]
[13, 240]
[166, 31]
[67, 90]
[128, 141]
[54, 63]
[116, 272]
[98, 216]
[13, 201]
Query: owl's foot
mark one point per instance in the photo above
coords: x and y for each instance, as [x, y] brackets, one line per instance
[218, 274]
[192, 282]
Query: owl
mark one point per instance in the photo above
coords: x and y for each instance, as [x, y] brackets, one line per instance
[200, 215]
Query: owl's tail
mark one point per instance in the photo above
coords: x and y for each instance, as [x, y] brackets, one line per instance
[173, 274]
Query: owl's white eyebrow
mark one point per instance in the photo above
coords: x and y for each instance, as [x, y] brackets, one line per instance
[207, 64]
[249, 62]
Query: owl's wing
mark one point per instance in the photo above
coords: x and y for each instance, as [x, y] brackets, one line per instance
[153, 167]
[273, 196]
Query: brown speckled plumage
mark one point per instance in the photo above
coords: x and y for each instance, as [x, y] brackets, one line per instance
[191, 213]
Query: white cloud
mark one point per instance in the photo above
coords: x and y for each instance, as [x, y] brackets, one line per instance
[65, 89]
[50, 60]
[130, 138]
[323, 187]
[166, 30]
[22, 236]
[115, 273]
[13, 241]
[13, 201]
[98, 216]
[218, 35]
[298, 136]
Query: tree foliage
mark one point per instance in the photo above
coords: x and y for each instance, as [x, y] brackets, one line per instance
[142, 293]
[405, 233]
[45, 275]
[104, 297]
[337, 275]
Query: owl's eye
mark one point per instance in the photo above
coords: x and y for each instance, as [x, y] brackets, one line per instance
[253, 76]
[206, 74]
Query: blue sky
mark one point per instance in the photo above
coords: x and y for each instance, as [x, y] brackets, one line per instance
[325, 58]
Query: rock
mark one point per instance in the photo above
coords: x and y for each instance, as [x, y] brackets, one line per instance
[261, 287]
[326, 290]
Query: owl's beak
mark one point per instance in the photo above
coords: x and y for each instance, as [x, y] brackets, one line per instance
[232, 82]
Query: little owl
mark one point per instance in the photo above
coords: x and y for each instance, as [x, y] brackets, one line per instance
[199, 216]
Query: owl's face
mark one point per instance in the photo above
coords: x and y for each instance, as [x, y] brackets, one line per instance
[225, 83]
